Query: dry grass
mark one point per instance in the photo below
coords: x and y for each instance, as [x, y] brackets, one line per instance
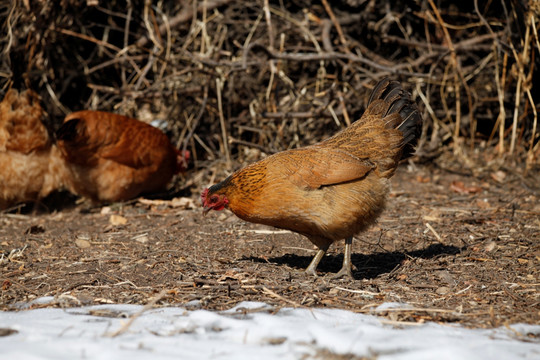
[237, 78]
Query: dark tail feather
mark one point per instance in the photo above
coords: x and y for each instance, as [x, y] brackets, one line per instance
[399, 101]
[69, 130]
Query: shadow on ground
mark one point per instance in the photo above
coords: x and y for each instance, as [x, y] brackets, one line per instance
[367, 266]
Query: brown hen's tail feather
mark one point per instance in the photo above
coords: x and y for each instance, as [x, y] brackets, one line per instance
[69, 130]
[400, 102]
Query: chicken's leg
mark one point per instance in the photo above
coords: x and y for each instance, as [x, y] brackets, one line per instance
[311, 269]
[346, 268]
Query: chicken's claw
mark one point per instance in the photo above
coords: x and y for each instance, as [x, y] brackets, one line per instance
[346, 268]
[344, 272]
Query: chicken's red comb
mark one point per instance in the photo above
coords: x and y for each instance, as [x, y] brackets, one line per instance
[203, 195]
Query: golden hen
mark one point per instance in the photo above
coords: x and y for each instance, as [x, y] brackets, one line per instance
[115, 158]
[31, 166]
[331, 190]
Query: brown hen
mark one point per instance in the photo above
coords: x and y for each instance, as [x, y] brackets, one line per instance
[331, 190]
[31, 166]
[115, 158]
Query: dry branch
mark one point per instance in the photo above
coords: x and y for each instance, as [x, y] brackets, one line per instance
[293, 73]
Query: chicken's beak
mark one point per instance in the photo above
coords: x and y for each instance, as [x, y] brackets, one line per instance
[206, 209]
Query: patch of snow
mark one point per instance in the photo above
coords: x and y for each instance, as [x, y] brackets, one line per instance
[247, 331]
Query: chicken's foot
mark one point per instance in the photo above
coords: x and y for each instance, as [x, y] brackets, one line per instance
[311, 269]
[346, 268]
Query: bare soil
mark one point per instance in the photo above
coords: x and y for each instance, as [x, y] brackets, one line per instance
[455, 245]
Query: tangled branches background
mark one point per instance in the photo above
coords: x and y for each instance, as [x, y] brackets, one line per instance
[235, 79]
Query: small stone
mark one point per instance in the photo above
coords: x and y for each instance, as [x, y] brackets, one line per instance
[82, 243]
[117, 220]
[443, 290]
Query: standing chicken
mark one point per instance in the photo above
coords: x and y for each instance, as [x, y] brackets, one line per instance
[115, 158]
[331, 190]
[31, 166]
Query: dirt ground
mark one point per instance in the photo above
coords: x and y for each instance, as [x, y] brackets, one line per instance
[457, 246]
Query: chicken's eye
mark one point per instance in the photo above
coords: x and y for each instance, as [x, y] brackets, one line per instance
[214, 198]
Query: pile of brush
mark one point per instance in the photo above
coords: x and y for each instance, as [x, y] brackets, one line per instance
[233, 80]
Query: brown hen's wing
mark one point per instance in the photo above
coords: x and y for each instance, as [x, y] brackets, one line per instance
[139, 145]
[89, 135]
[314, 166]
[369, 140]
